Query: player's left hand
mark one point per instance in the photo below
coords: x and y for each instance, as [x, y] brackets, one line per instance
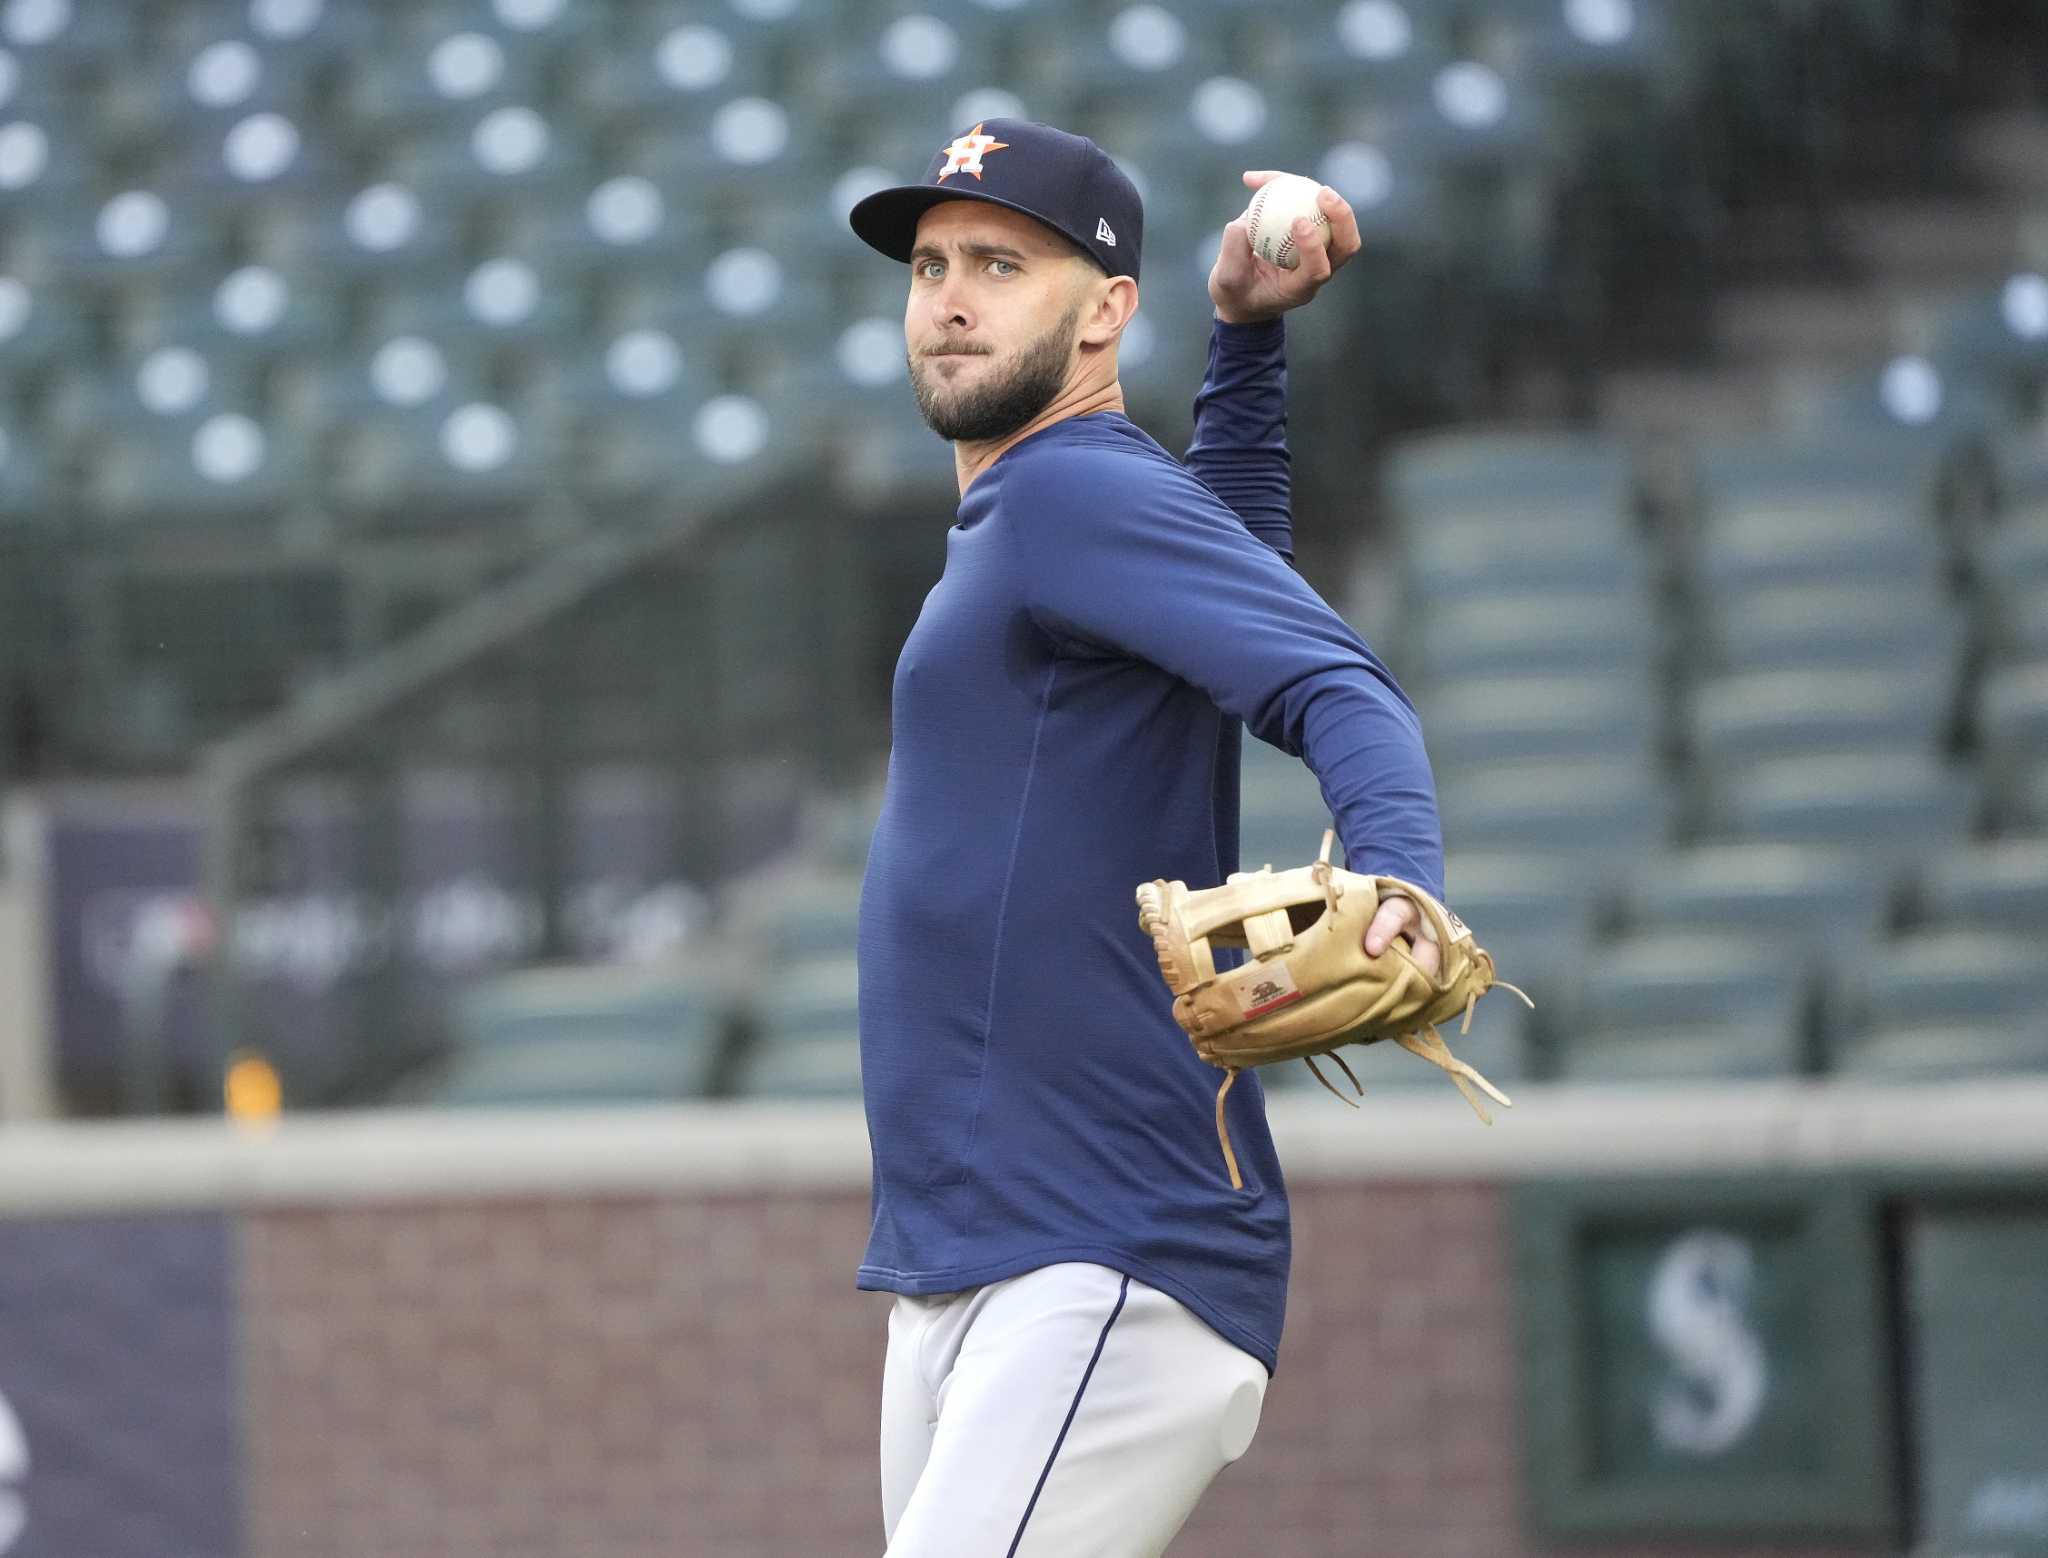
[1399, 917]
[1247, 290]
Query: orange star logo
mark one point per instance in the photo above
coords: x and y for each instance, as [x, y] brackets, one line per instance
[965, 154]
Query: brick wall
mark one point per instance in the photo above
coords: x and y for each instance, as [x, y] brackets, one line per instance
[623, 1378]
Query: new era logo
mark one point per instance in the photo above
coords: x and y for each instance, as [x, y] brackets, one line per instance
[1102, 232]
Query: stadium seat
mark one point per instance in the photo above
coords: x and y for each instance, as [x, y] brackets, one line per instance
[1532, 913]
[1894, 805]
[1538, 634]
[1502, 718]
[1997, 884]
[1573, 554]
[1810, 627]
[1780, 546]
[2015, 551]
[814, 918]
[2019, 621]
[1815, 898]
[1445, 475]
[806, 1031]
[1589, 816]
[2012, 715]
[570, 1073]
[1764, 714]
[1973, 997]
[1686, 1004]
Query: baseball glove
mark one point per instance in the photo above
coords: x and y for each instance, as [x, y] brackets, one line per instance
[1309, 985]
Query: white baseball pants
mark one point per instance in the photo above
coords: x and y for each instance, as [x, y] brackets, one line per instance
[1071, 1412]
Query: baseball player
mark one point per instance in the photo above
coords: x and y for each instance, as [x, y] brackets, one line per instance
[1087, 1312]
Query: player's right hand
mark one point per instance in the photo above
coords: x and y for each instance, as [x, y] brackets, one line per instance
[1246, 289]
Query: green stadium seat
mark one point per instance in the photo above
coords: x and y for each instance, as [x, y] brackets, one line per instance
[569, 1073]
[41, 327]
[134, 237]
[1752, 1050]
[1997, 884]
[671, 63]
[1824, 626]
[489, 154]
[1504, 554]
[1534, 915]
[1894, 805]
[45, 158]
[818, 917]
[2013, 710]
[1510, 717]
[1937, 1051]
[1592, 817]
[500, 302]
[781, 1068]
[26, 491]
[806, 1027]
[1811, 898]
[380, 228]
[1751, 715]
[1687, 1003]
[2019, 621]
[254, 312]
[680, 1009]
[2015, 551]
[438, 76]
[1781, 546]
[1546, 634]
[1446, 475]
[1931, 978]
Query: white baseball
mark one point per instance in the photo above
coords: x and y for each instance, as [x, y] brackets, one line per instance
[1269, 219]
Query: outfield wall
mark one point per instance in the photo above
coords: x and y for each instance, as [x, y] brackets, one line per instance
[635, 1333]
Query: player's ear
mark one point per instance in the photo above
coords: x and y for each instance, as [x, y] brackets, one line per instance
[1112, 300]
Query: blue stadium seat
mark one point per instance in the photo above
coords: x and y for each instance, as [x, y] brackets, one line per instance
[1815, 898]
[1687, 1004]
[1894, 805]
[1764, 714]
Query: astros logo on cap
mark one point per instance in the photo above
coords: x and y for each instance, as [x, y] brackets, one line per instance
[965, 154]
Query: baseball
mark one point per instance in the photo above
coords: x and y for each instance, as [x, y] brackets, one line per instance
[1269, 219]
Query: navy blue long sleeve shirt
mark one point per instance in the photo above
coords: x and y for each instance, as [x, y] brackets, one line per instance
[1065, 725]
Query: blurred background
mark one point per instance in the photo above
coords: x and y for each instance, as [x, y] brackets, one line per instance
[460, 503]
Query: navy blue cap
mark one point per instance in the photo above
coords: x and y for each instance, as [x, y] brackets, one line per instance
[1065, 181]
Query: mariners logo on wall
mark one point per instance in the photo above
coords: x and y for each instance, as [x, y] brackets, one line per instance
[965, 154]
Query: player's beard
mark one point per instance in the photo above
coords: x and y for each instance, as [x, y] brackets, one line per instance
[996, 408]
